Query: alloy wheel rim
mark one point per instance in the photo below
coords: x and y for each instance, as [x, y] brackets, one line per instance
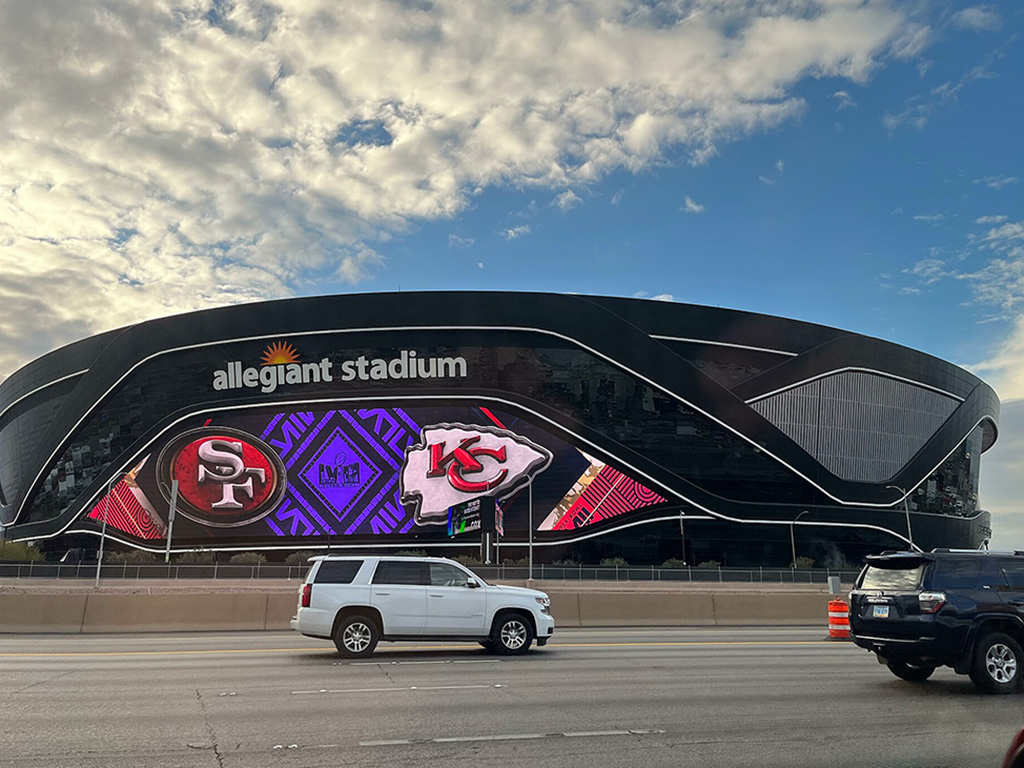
[1001, 663]
[356, 637]
[513, 635]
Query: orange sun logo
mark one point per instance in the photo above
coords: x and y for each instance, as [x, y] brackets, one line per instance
[280, 353]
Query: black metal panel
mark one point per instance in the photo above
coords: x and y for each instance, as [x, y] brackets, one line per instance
[618, 330]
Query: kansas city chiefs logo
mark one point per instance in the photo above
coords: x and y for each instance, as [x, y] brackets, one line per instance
[454, 463]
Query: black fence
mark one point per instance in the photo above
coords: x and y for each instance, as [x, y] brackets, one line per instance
[123, 571]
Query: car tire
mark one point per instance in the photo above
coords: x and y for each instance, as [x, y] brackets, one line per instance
[996, 666]
[912, 673]
[511, 634]
[355, 637]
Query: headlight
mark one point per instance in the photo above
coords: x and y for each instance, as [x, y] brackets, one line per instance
[544, 601]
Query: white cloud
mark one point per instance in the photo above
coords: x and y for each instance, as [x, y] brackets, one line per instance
[664, 297]
[930, 218]
[845, 100]
[918, 110]
[160, 157]
[991, 219]
[455, 241]
[766, 180]
[997, 182]
[909, 291]
[1002, 466]
[617, 197]
[780, 165]
[929, 271]
[691, 207]
[514, 233]
[977, 18]
[567, 201]
[480, 265]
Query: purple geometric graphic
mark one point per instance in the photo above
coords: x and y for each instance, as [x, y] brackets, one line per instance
[342, 471]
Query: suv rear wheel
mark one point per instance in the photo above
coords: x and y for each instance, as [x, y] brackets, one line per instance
[355, 637]
[511, 634]
[914, 672]
[996, 667]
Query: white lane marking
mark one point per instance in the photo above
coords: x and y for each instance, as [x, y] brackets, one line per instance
[510, 737]
[391, 690]
[396, 663]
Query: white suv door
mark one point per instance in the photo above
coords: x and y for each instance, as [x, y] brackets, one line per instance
[398, 590]
[453, 607]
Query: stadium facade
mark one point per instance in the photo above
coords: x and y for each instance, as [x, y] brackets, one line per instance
[620, 427]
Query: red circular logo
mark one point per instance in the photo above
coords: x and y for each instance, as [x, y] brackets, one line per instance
[226, 477]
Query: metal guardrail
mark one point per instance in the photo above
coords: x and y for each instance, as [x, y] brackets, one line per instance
[693, 574]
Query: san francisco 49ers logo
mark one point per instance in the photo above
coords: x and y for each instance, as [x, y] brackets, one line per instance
[226, 477]
[455, 463]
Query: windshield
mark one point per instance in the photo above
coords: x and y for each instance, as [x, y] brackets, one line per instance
[901, 578]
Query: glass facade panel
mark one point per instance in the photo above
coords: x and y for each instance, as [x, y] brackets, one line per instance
[570, 381]
[953, 488]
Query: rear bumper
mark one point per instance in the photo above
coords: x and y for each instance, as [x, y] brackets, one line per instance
[930, 648]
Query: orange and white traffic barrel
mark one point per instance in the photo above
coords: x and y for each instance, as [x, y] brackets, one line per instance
[838, 620]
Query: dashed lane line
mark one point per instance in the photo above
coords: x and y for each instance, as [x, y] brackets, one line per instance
[510, 737]
[394, 689]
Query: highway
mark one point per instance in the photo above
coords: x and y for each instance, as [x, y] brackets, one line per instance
[713, 698]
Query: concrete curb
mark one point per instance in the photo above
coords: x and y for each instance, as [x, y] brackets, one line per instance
[113, 612]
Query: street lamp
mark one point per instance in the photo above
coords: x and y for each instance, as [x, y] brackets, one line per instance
[792, 538]
[106, 514]
[906, 508]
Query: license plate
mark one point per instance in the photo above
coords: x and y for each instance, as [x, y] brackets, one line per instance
[880, 612]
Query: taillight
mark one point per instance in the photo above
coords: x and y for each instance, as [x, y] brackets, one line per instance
[307, 594]
[930, 602]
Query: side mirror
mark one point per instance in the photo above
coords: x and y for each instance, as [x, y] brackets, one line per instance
[473, 584]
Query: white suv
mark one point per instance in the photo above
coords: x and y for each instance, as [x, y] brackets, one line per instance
[358, 601]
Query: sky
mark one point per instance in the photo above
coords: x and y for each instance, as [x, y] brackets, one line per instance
[856, 164]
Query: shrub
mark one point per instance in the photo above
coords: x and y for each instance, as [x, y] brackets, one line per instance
[19, 552]
[804, 562]
[609, 562]
[197, 557]
[709, 564]
[135, 557]
[300, 558]
[411, 553]
[248, 558]
[674, 562]
[567, 563]
[516, 561]
[467, 560]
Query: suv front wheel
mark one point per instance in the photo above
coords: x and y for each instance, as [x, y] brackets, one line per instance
[511, 634]
[355, 637]
[996, 667]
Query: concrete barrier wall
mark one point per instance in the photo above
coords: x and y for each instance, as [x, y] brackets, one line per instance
[95, 612]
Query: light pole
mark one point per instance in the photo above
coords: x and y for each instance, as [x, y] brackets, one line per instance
[906, 508]
[106, 514]
[792, 538]
[530, 528]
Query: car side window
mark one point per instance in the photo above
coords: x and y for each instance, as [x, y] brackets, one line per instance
[398, 572]
[338, 572]
[955, 574]
[443, 575]
[1013, 573]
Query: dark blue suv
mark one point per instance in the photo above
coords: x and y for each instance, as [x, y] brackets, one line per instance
[920, 610]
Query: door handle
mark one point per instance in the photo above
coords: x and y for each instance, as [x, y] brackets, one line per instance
[1016, 601]
[435, 595]
[382, 593]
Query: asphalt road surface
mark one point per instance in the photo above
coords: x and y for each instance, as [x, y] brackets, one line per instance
[631, 697]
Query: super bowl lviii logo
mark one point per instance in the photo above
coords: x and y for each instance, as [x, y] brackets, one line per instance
[226, 477]
[454, 463]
